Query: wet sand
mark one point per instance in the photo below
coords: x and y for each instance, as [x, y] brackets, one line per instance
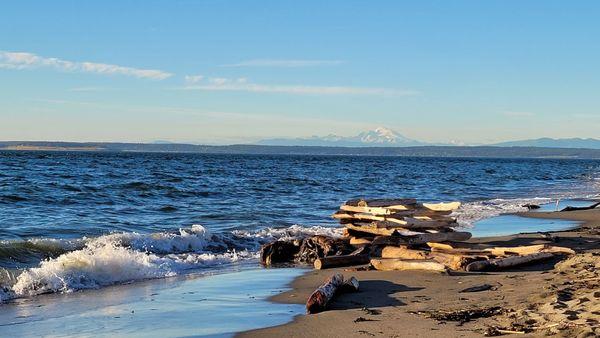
[540, 298]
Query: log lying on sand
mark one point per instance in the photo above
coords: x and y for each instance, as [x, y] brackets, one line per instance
[529, 249]
[320, 298]
[499, 263]
[570, 208]
[389, 264]
[451, 261]
[421, 238]
[339, 261]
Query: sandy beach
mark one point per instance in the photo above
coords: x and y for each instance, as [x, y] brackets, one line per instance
[550, 298]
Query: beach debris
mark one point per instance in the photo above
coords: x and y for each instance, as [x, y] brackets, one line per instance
[278, 252]
[403, 234]
[478, 288]
[305, 250]
[373, 312]
[340, 261]
[499, 263]
[363, 319]
[462, 316]
[530, 206]
[570, 208]
[389, 264]
[320, 298]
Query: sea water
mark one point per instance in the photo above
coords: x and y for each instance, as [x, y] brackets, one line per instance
[72, 221]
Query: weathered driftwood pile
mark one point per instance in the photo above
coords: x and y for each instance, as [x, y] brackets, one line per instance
[401, 234]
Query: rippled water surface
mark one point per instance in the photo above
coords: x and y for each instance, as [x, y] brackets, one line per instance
[70, 195]
[70, 220]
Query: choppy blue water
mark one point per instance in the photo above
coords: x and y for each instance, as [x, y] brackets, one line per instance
[148, 215]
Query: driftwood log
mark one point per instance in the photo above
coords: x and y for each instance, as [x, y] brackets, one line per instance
[319, 299]
[389, 264]
[421, 238]
[500, 263]
[451, 261]
[529, 249]
[359, 241]
[306, 250]
[570, 208]
[339, 261]
[322, 296]
[279, 252]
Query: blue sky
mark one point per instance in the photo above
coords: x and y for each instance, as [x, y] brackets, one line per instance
[239, 71]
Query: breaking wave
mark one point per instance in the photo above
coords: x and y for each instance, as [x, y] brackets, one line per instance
[471, 212]
[125, 257]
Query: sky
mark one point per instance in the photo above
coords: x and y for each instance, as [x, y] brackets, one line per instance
[222, 72]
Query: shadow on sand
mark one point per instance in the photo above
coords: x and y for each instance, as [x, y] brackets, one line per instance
[371, 292]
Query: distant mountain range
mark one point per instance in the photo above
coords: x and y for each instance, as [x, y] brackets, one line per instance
[385, 137]
[377, 142]
[378, 137]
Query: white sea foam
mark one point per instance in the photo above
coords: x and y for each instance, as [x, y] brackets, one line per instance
[471, 212]
[124, 257]
[289, 233]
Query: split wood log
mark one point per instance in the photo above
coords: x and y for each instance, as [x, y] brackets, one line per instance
[422, 238]
[451, 261]
[403, 252]
[450, 206]
[389, 264]
[529, 249]
[463, 251]
[394, 220]
[383, 211]
[375, 231]
[367, 210]
[319, 299]
[359, 241]
[339, 261]
[570, 208]
[451, 245]
[456, 262]
[500, 263]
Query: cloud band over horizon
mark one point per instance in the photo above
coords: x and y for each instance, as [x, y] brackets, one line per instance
[24, 60]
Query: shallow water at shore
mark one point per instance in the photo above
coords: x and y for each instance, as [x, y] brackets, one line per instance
[173, 307]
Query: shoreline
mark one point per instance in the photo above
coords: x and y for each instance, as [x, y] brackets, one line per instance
[396, 296]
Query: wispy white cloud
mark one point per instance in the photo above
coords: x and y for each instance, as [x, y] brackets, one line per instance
[518, 114]
[23, 60]
[193, 78]
[284, 63]
[242, 85]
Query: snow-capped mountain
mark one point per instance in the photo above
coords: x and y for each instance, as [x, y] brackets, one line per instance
[378, 137]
